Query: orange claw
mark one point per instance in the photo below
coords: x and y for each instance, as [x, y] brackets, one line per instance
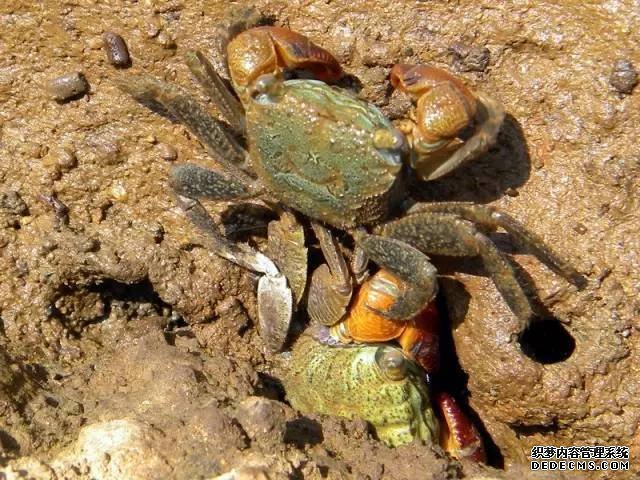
[460, 438]
[445, 106]
[264, 50]
[418, 337]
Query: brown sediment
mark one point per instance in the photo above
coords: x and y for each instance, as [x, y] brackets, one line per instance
[119, 309]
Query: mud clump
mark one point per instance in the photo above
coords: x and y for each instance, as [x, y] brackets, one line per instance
[120, 330]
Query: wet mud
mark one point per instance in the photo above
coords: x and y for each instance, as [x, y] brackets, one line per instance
[128, 350]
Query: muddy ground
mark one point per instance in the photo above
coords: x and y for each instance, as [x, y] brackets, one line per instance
[127, 350]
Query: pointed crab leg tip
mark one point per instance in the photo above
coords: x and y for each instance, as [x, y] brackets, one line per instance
[275, 310]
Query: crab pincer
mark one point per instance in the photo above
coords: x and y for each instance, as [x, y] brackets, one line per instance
[451, 124]
[275, 50]
[364, 323]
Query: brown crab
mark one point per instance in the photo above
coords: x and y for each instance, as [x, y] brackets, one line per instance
[318, 150]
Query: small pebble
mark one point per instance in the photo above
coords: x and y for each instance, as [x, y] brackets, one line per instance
[59, 208]
[166, 152]
[86, 245]
[63, 158]
[468, 58]
[262, 418]
[580, 228]
[117, 51]
[37, 150]
[624, 76]
[151, 27]
[95, 43]
[119, 193]
[67, 87]
[13, 202]
[48, 245]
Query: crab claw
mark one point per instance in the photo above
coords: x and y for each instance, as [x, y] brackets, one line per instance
[460, 438]
[418, 337]
[275, 309]
[451, 124]
[264, 50]
[445, 106]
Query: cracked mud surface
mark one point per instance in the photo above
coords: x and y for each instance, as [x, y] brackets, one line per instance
[129, 351]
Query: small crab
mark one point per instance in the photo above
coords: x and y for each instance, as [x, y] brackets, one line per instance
[317, 150]
[379, 384]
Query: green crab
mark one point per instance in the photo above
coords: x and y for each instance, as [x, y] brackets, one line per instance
[373, 382]
[380, 384]
[304, 146]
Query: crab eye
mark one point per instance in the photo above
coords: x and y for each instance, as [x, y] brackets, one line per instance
[266, 89]
[388, 139]
[392, 363]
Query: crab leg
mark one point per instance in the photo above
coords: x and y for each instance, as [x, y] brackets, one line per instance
[215, 87]
[445, 234]
[331, 287]
[419, 284]
[193, 181]
[489, 217]
[275, 301]
[165, 97]
[460, 439]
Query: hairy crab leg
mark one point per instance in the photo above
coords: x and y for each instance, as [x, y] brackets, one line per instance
[331, 286]
[490, 217]
[169, 98]
[286, 247]
[413, 267]
[359, 263]
[194, 181]
[445, 234]
[217, 90]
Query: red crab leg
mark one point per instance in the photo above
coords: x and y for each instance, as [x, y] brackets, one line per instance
[420, 339]
[460, 438]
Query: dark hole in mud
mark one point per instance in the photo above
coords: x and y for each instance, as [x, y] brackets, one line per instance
[303, 431]
[270, 387]
[547, 341]
[135, 300]
[7, 442]
[140, 292]
[453, 380]
[529, 430]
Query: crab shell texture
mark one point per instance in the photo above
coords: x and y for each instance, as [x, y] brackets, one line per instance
[373, 382]
[325, 153]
